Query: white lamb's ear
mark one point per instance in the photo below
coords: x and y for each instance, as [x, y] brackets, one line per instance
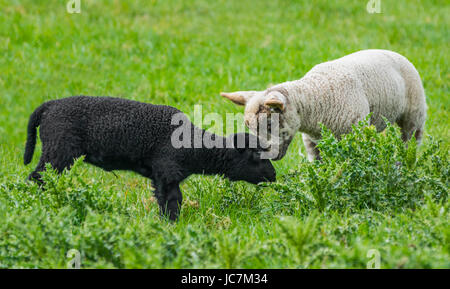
[276, 100]
[239, 97]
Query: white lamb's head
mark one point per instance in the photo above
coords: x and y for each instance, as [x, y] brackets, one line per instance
[269, 116]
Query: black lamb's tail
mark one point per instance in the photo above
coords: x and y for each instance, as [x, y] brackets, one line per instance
[33, 123]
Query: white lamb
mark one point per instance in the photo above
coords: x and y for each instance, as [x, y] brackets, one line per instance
[340, 93]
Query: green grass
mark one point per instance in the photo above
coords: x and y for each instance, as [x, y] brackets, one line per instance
[377, 195]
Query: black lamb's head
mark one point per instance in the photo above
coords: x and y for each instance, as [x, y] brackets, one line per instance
[246, 160]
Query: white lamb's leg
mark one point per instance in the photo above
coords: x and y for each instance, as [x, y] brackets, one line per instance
[413, 119]
[311, 149]
[412, 124]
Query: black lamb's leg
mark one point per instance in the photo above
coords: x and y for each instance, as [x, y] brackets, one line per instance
[174, 200]
[61, 156]
[169, 199]
[35, 175]
[161, 198]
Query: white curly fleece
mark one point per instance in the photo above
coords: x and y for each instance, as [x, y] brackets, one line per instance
[341, 92]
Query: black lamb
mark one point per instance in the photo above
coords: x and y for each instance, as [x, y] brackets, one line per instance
[120, 134]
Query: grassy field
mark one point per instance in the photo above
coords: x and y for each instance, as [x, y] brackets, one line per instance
[376, 200]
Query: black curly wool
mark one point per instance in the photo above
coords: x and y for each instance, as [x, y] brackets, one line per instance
[120, 134]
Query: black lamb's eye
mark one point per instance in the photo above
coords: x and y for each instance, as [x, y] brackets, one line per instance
[256, 157]
[276, 110]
